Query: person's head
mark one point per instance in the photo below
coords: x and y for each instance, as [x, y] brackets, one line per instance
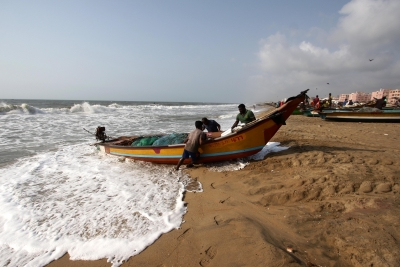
[242, 108]
[198, 124]
[317, 95]
[205, 121]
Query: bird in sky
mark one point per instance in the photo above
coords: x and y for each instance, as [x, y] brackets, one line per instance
[371, 59]
[327, 83]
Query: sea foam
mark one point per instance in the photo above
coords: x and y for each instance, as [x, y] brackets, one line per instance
[54, 203]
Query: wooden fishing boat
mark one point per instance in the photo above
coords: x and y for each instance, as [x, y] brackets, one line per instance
[316, 113]
[356, 116]
[246, 141]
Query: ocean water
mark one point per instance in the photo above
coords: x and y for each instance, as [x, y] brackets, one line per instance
[59, 194]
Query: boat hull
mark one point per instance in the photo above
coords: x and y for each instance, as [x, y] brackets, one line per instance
[362, 116]
[238, 145]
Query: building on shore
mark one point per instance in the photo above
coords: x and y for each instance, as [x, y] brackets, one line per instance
[380, 93]
[360, 97]
[394, 96]
[343, 97]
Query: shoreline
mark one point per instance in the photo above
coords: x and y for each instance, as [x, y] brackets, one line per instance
[331, 199]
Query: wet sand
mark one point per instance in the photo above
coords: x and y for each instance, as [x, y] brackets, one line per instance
[331, 199]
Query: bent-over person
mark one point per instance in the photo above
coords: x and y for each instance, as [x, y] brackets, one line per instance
[192, 143]
[210, 125]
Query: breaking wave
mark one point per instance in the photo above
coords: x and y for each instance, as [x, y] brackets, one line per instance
[22, 109]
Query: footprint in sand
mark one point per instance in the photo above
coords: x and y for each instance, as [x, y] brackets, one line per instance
[366, 187]
[384, 188]
[218, 220]
[186, 233]
[348, 188]
[210, 254]
[223, 201]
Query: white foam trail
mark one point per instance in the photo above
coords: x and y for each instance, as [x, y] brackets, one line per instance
[269, 148]
[239, 164]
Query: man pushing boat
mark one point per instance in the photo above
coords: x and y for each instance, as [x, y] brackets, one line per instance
[195, 138]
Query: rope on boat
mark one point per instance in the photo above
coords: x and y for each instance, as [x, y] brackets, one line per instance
[89, 132]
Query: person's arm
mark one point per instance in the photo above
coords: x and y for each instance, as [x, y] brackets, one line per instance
[202, 139]
[187, 139]
[218, 126]
[235, 124]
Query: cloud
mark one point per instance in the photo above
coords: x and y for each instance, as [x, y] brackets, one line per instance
[369, 24]
[366, 29]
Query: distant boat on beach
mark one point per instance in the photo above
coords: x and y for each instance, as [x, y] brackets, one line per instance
[239, 143]
[362, 115]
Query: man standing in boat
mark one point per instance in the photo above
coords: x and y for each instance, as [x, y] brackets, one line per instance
[316, 101]
[244, 116]
[210, 125]
[192, 143]
[380, 103]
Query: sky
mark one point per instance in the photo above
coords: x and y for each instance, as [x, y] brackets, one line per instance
[225, 51]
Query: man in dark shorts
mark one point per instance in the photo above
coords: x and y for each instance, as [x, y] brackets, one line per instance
[244, 116]
[210, 125]
[192, 143]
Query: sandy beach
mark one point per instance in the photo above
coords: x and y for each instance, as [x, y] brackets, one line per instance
[331, 199]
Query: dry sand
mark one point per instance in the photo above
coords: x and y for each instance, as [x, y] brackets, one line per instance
[331, 199]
